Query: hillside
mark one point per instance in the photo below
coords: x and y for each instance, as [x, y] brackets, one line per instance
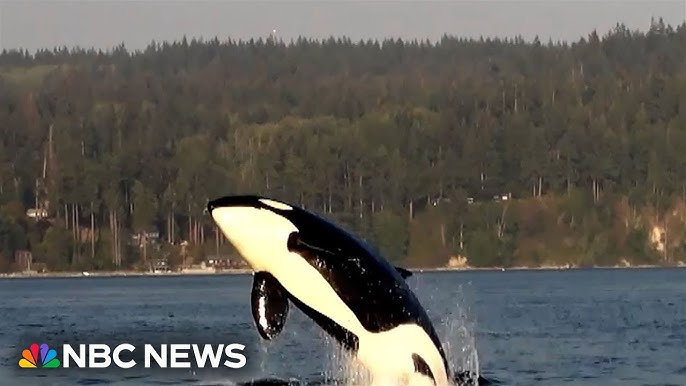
[503, 151]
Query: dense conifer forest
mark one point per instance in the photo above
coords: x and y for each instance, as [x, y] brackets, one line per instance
[501, 151]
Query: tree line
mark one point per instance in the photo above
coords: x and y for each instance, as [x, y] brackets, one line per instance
[503, 151]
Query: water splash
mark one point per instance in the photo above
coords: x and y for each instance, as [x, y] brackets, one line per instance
[264, 350]
[342, 368]
[457, 332]
[455, 324]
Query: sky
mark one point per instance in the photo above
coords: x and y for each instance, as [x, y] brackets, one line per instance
[34, 24]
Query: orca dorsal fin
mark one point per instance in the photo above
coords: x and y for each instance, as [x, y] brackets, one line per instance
[403, 272]
[269, 303]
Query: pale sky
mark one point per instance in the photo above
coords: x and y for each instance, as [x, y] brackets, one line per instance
[34, 24]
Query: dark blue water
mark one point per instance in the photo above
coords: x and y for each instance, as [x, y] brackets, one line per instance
[589, 327]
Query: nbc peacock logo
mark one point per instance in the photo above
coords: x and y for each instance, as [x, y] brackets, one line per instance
[39, 357]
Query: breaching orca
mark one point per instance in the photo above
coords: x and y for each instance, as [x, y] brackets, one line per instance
[338, 281]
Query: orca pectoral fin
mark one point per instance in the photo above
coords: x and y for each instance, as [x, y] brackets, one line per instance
[269, 303]
[309, 251]
[403, 272]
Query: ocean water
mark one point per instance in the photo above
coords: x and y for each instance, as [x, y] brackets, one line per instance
[574, 327]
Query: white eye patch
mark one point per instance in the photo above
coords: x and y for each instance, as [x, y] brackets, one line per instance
[275, 204]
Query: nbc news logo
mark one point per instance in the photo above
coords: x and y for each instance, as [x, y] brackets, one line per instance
[164, 356]
[39, 357]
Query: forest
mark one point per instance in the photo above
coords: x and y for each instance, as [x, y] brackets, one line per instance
[503, 152]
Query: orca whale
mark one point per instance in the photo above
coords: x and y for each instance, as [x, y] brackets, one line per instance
[338, 281]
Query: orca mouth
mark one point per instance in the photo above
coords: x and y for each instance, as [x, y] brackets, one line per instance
[233, 201]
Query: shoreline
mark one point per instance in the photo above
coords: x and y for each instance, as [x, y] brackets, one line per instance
[543, 268]
[89, 274]
[245, 271]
